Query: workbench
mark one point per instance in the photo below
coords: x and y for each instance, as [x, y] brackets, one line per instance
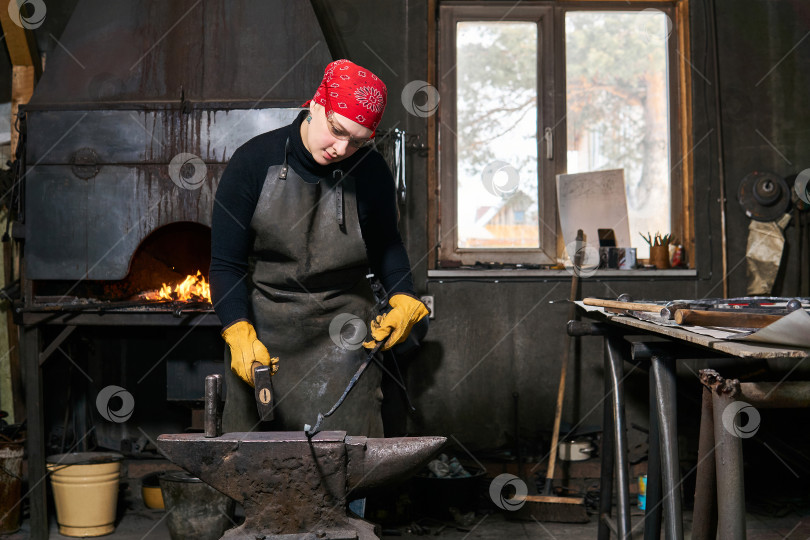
[663, 477]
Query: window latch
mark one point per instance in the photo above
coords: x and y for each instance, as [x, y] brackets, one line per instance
[549, 138]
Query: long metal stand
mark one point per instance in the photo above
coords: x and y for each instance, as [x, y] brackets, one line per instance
[652, 515]
[704, 518]
[614, 373]
[663, 370]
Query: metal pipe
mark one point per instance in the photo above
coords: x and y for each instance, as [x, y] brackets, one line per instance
[663, 369]
[582, 328]
[729, 463]
[213, 391]
[606, 524]
[614, 369]
[704, 518]
[652, 515]
[784, 395]
[641, 350]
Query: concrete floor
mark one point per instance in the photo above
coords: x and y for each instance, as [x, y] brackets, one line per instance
[136, 522]
[141, 523]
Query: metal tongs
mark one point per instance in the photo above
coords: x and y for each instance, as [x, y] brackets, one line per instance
[311, 431]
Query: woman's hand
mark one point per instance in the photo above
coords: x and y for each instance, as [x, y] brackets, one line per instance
[246, 349]
[394, 326]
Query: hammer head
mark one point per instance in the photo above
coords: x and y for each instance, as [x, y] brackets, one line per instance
[263, 391]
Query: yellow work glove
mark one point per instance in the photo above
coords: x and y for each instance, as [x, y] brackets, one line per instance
[395, 325]
[246, 349]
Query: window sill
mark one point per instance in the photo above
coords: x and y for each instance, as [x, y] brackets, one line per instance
[456, 273]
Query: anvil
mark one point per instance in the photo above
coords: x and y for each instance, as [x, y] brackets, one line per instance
[293, 487]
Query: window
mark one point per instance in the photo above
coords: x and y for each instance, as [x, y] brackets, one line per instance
[532, 91]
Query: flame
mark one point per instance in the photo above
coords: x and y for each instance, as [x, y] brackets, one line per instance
[193, 288]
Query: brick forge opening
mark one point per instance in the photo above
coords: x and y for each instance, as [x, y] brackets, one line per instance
[166, 256]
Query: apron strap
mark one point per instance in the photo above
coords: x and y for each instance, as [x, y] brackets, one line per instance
[282, 175]
[338, 175]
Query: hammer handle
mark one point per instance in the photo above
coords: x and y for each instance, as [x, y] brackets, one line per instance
[724, 318]
[635, 306]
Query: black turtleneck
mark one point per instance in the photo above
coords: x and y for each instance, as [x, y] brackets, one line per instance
[237, 196]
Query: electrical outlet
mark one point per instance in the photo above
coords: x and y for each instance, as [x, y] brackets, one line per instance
[428, 301]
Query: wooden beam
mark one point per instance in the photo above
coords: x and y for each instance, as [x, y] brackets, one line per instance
[20, 42]
[433, 234]
[26, 69]
[687, 142]
[22, 88]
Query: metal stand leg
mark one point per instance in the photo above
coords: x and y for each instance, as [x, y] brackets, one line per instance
[729, 463]
[652, 516]
[663, 370]
[608, 458]
[37, 475]
[614, 369]
[704, 519]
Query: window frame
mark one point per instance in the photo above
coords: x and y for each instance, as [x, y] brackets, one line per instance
[551, 107]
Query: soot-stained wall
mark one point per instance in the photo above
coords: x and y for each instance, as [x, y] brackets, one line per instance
[490, 339]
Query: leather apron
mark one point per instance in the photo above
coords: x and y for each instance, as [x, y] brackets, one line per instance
[307, 272]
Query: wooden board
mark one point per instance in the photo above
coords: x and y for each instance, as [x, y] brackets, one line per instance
[592, 201]
[735, 348]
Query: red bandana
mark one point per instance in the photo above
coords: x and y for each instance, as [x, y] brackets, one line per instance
[353, 92]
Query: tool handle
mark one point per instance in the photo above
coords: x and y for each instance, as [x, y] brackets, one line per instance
[263, 391]
[635, 306]
[698, 317]
[555, 434]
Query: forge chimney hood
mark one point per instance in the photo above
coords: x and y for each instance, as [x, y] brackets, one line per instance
[225, 53]
[138, 89]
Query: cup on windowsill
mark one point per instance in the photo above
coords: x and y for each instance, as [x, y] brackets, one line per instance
[659, 256]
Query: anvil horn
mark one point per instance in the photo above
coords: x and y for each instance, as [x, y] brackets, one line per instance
[378, 462]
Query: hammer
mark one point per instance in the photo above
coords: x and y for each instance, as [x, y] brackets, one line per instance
[265, 398]
[263, 391]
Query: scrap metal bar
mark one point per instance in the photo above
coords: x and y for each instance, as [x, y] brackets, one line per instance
[784, 395]
[606, 523]
[728, 459]
[614, 369]
[652, 516]
[704, 518]
[663, 369]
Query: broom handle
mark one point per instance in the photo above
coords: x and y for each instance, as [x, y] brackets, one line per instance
[555, 435]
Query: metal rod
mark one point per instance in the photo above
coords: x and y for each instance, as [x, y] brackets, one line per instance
[608, 457]
[784, 395]
[663, 369]
[213, 391]
[652, 516]
[615, 371]
[704, 518]
[729, 461]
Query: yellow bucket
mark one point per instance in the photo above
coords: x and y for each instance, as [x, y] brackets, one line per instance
[85, 490]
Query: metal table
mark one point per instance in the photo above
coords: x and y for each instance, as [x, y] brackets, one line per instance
[663, 476]
[34, 355]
